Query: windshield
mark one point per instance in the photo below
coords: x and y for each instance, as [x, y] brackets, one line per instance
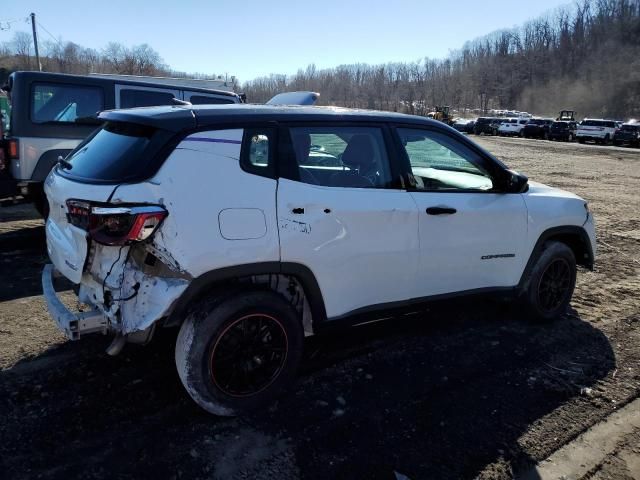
[60, 103]
[630, 128]
[599, 123]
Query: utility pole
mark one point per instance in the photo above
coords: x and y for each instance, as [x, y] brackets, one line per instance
[35, 40]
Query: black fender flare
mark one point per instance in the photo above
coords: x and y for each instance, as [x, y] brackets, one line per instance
[223, 276]
[558, 232]
[46, 162]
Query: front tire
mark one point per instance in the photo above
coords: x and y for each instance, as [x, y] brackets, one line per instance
[550, 284]
[240, 353]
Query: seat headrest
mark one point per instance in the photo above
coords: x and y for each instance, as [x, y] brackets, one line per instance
[359, 152]
[302, 146]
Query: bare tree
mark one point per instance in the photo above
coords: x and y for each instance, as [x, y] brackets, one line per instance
[22, 46]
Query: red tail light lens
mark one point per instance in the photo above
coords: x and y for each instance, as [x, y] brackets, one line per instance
[12, 149]
[115, 225]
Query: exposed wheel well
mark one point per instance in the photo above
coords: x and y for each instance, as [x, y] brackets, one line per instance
[295, 283]
[578, 246]
[574, 237]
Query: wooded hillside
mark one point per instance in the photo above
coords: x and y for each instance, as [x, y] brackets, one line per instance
[585, 57]
[69, 57]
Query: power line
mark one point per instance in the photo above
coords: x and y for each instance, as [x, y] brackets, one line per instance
[48, 32]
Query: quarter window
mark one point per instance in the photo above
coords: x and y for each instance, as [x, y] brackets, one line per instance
[442, 163]
[206, 100]
[353, 157]
[258, 151]
[64, 103]
[130, 98]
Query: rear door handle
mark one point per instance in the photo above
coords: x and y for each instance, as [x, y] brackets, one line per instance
[297, 210]
[441, 210]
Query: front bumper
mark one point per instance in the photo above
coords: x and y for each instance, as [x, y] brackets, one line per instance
[626, 139]
[590, 136]
[72, 324]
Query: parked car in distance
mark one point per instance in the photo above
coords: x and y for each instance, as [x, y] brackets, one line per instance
[537, 128]
[51, 113]
[486, 126]
[597, 130]
[464, 125]
[628, 134]
[512, 127]
[296, 219]
[563, 130]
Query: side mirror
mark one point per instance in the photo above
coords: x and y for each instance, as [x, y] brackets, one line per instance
[516, 182]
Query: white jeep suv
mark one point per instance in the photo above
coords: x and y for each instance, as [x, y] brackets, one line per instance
[600, 131]
[512, 127]
[251, 227]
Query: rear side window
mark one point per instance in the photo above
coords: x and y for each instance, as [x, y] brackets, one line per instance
[5, 113]
[117, 152]
[593, 123]
[51, 102]
[333, 156]
[204, 100]
[130, 98]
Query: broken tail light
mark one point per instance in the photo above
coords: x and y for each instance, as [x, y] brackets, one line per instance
[115, 225]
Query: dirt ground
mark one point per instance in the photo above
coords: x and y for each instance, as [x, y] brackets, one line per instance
[464, 390]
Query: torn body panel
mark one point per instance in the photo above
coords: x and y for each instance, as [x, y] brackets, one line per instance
[131, 286]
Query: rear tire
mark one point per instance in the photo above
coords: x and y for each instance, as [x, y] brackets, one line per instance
[550, 283]
[41, 203]
[238, 354]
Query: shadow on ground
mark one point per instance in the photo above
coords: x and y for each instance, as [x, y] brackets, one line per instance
[439, 395]
[23, 253]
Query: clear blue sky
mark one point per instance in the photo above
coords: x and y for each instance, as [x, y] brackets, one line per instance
[255, 38]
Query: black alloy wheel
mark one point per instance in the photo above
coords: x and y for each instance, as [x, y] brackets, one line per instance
[248, 355]
[554, 285]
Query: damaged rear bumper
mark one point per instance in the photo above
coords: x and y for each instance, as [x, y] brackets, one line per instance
[72, 324]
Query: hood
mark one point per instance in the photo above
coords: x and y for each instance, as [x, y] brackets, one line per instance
[542, 190]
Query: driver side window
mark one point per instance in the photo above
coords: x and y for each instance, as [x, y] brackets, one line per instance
[441, 163]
